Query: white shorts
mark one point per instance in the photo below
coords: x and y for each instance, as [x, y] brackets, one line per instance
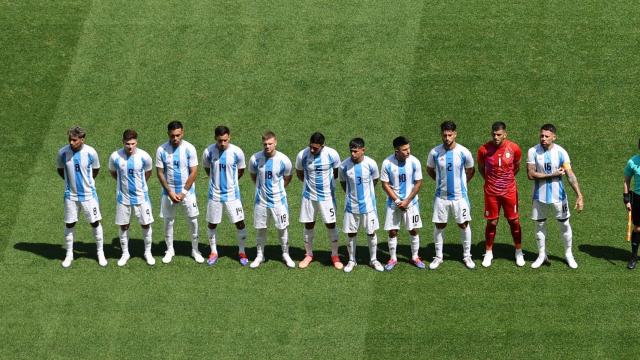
[141, 211]
[561, 209]
[90, 208]
[168, 207]
[410, 218]
[326, 208]
[352, 222]
[233, 208]
[279, 214]
[459, 208]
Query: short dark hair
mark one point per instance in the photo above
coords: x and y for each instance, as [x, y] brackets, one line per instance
[175, 124]
[356, 143]
[548, 127]
[268, 135]
[129, 134]
[221, 130]
[498, 125]
[77, 132]
[400, 141]
[316, 138]
[447, 125]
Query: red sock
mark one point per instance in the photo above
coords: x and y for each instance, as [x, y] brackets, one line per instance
[516, 233]
[489, 235]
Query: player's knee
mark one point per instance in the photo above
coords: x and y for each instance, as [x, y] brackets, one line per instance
[145, 226]
[331, 226]
[441, 225]
[463, 225]
[240, 225]
[70, 225]
[212, 226]
[95, 224]
[413, 232]
[393, 233]
[563, 220]
[126, 227]
[514, 222]
[309, 225]
[636, 229]
[493, 222]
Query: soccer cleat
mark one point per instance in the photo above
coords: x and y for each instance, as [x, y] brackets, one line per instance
[630, 265]
[418, 263]
[435, 263]
[305, 262]
[213, 259]
[149, 258]
[390, 264]
[350, 266]
[195, 254]
[287, 260]
[243, 259]
[377, 265]
[67, 260]
[468, 262]
[168, 256]
[123, 260]
[257, 261]
[519, 257]
[102, 261]
[336, 262]
[488, 256]
[571, 261]
[542, 258]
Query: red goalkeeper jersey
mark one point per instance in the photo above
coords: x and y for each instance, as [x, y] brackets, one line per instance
[499, 167]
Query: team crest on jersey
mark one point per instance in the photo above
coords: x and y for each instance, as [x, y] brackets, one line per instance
[507, 154]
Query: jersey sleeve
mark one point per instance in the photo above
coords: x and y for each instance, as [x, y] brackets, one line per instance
[335, 159]
[112, 161]
[60, 159]
[630, 168]
[192, 156]
[417, 170]
[147, 161]
[205, 159]
[159, 162]
[565, 160]
[373, 168]
[430, 162]
[384, 174]
[531, 156]
[342, 176]
[95, 160]
[253, 166]
[240, 155]
[288, 168]
[468, 159]
[517, 154]
[299, 160]
[482, 152]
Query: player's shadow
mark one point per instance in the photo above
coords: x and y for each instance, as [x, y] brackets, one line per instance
[608, 253]
[56, 251]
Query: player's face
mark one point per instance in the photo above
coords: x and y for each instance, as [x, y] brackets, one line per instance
[498, 136]
[547, 138]
[357, 154]
[76, 143]
[315, 149]
[223, 141]
[403, 152]
[175, 137]
[130, 146]
[449, 138]
[269, 146]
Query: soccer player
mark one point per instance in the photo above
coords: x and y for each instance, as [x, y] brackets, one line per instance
[271, 171]
[401, 177]
[547, 163]
[317, 167]
[224, 164]
[78, 164]
[177, 168]
[131, 167]
[631, 199]
[358, 176]
[451, 166]
[499, 163]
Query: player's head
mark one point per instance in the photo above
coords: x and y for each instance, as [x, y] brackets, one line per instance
[448, 133]
[223, 137]
[316, 143]
[402, 148]
[76, 136]
[130, 141]
[498, 132]
[356, 146]
[269, 143]
[175, 130]
[547, 135]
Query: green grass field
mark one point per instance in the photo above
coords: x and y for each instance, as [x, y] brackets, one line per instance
[360, 68]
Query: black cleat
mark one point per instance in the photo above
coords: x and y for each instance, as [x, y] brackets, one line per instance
[632, 263]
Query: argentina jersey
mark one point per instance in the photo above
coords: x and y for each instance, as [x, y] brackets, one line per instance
[318, 173]
[549, 190]
[223, 173]
[401, 176]
[176, 163]
[450, 166]
[78, 175]
[270, 173]
[132, 184]
[360, 191]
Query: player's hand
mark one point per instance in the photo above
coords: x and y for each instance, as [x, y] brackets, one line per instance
[404, 205]
[579, 204]
[560, 172]
[176, 198]
[628, 205]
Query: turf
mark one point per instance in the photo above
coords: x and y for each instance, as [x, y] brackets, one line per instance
[361, 68]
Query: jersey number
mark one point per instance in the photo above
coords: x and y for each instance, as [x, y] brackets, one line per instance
[547, 167]
[403, 177]
[238, 211]
[449, 166]
[77, 167]
[358, 180]
[283, 218]
[416, 219]
[223, 167]
[268, 175]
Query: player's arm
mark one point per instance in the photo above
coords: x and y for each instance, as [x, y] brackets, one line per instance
[147, 175]
[335, 173]
[470, 171]
[516, 167]
[573, 181]
[165, 185]
[517, 160]
[626, 194]
[300, 174]
[287, 179]
[61, 172]
[414, 192]
[114, 174]
[193, 173]
[532, 174]
[390, 193]
[431, 172]
[240, 173]
[94, 172]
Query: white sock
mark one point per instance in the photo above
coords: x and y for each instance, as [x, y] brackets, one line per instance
[148, 239]
[242, 237]
[393, 244]
[333, 239]
[541, 235]
[97, 233]
[415, 245]
[168, 233]
[124, 240]
[307, 236]
[373, 247]
[261, 239]
[68, 239]
[193, 225]
[212, 240]
[284, 240]
[465, 237]
[351, 248]
[567, 235]
[438, 240]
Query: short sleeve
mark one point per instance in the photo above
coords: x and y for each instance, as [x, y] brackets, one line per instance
[288, 168]
[430, 162]
[112, 161]
[417, 170]
[253, 167]
[531, 156]
[468, 161]
[147, 161]
[373, 168]
[299, 160]
[95, 160]
[192, 156]
[384, 174]
[335, 159]
[566, 161]
[240, 159]
[60, 159]
[159, 162]
[205, 159]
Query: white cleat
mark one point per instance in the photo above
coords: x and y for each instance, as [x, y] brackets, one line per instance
[102, 261]
[123, 260]
[519, 258]
[437, 261]
[287, 260]
[67, 260]
[542, 258]
[349, 267]
[195, 254]
[488, 256]
[571, 261]
[257, 261]
[168, 256]
[468, 262]
[149, 258]
[377, 265]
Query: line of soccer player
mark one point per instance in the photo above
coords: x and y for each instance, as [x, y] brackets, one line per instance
[450, 164]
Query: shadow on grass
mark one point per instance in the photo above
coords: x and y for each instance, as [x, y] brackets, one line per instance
[608, 253]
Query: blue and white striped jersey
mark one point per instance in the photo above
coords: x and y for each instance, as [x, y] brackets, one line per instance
[223, 173]
[78, 172]
[270, 173]
[401, 176]
[550, 190]
[176, 163]
[450, 165]
[360, 191]
[319, 184]
[131, 184]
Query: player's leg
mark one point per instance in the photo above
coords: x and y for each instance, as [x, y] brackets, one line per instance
[168, 214]
[93, 215]
[214, 217]
[281, 219]
[392, 220]
[191, 209]
[510, 208]
[562, 215]
[350, 227]
[327, 211]
[236, 215]
[413, 222]
[635, 235]
[307, 217]
[371, 225]
[539, 216]
[260, 218]
[70, 219]
[145, 216]
[123, 217]
[439, 219]
[462, 213]
[491, 214]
